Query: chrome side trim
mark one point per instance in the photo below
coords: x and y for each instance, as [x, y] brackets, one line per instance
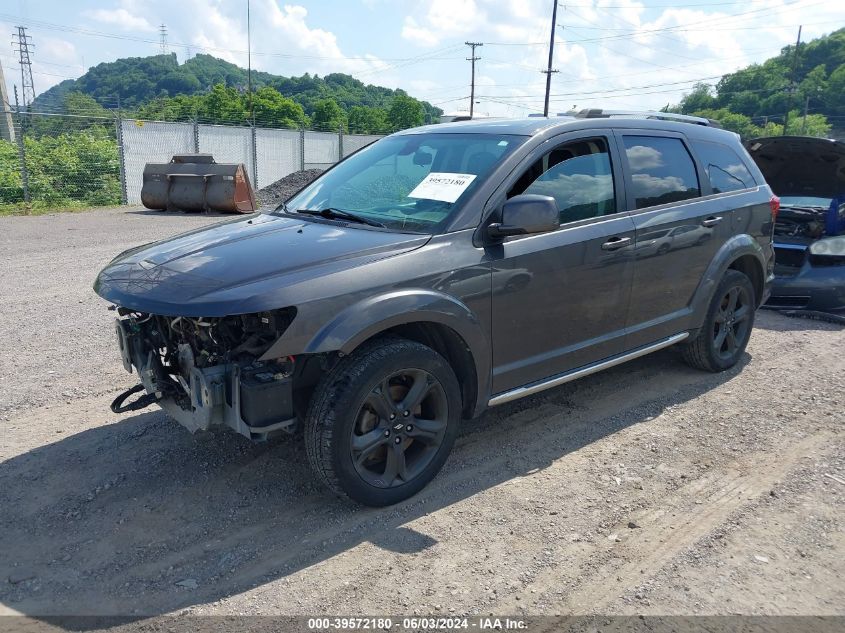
[532, 388]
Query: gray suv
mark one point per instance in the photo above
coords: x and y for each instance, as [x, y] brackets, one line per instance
[444, 270]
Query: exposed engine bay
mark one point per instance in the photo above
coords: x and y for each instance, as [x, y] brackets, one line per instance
[208, 371]
[801, 222]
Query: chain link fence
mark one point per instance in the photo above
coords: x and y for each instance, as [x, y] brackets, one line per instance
[60, 162]
[74, 161]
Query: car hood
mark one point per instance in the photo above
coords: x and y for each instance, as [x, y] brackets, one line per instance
[239, 266]
[800, 165]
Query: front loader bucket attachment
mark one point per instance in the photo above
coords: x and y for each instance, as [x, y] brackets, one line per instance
[194, 182]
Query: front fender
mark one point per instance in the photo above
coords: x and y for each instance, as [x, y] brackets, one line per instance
[364, 319]
[734, 248]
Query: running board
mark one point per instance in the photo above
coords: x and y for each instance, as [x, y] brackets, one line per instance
[560, 379]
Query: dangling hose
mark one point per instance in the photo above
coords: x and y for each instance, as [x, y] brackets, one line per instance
[141, 403]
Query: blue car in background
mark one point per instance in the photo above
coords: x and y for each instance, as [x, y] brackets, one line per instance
[808, 174]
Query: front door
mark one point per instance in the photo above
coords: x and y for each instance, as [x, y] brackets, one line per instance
[560, 299]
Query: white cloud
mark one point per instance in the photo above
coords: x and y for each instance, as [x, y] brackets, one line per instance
[653, 186]
[122, 18]
[573, 189]
[454, 16]
[641, 157]
[417, 34]
[442, 19]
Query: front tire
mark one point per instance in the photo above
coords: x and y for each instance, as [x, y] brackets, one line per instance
[722, 340]
[382, 422]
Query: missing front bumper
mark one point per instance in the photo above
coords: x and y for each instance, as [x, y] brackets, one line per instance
[254, 400]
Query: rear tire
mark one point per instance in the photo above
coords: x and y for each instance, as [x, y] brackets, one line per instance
[721, 341]
[382, 422]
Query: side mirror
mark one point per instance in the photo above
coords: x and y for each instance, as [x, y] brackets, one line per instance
[526, 214]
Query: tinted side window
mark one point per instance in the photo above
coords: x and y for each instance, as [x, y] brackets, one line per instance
[661, 169]
[724, 167]
[577, 175]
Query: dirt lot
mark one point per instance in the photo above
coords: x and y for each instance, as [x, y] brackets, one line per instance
[650, 488]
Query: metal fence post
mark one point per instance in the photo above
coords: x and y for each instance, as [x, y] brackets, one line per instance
[22, 155]
[302, 148]
[253, 137]
[340, 141]
[196, 136]
[121, 155]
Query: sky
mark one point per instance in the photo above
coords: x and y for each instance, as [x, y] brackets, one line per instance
[617, 54]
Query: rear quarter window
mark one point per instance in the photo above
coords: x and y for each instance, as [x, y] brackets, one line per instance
[662, 170]
[723, 166]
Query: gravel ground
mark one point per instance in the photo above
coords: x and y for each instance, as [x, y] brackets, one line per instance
[650, 488]
[282, 190]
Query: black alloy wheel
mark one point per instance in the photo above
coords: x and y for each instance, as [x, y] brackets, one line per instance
[721, 341]
[381, 423]
[399, 428]
[732, 321]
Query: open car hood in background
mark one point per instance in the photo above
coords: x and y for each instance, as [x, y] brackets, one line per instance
[800, 165]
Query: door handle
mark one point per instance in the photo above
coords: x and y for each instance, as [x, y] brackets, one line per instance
[711, 221]
[615, 243]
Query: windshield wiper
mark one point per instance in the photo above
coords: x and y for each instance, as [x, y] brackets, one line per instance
[339, 214]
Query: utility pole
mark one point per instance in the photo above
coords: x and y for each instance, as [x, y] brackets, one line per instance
[162, 39]
[549, 70]
[792, 82]
[472, 59]
[249, 65]
[21, 150]
[24, 43]
[804, 123]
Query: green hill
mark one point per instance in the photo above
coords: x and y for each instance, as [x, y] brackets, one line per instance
[762, 93]
[138, 83]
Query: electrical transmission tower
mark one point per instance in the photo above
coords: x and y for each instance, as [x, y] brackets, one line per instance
[162, 38]
[24, 44]
[472, 59]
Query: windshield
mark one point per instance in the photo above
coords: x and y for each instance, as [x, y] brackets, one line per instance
[412, 182]
[805, 201]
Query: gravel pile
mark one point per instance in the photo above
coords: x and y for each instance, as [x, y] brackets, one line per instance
[282, 190]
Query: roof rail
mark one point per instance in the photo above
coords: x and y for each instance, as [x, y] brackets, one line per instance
[597, 113]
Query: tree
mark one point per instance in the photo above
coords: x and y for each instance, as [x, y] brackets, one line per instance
[328, 116]
[701, 98]
[405, 112]
[733, 121]
[84, 113]
[813, 125]
[367, 120]
[223, 105]
[273, 110]
[178, 108]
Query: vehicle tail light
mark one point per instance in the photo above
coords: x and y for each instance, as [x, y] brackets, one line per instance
[774, 205]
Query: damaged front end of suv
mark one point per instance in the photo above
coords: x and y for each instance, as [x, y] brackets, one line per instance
[208, 372]
[216, 322]
[808, 174]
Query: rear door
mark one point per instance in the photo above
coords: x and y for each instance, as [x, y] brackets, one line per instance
[559, 299]
[664, 187]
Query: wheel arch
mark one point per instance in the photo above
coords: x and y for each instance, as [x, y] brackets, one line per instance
[743, 253]
[751, 268]
[437, 320]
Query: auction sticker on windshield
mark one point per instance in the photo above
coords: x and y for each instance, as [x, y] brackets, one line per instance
[442, 186]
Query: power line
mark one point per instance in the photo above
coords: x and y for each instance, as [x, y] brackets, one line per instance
[41, 24]
[472, 59]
